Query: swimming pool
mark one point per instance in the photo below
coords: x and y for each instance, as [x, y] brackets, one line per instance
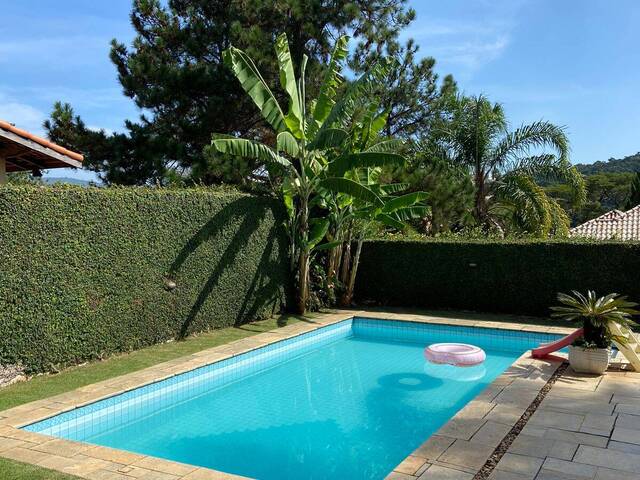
[350, 400]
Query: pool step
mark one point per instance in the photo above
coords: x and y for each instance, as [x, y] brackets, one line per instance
[631, 349]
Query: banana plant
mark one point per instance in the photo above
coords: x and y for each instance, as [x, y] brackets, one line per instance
[353, 218]
[305, 136]
[390, 210]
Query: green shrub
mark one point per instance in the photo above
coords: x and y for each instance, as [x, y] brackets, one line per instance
[89, 272]
[520, 277]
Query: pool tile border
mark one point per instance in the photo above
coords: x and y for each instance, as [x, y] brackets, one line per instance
[460, 447]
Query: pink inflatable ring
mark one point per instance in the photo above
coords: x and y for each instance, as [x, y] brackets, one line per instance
[458, 354]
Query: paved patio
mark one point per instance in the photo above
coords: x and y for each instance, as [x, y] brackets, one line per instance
[585, 428]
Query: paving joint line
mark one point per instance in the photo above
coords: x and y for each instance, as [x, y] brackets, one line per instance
[503, 447]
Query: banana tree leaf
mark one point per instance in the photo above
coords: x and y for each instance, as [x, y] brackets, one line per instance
[363, 160]
[390, 188]
[350, 187]
[252, 82]
[387, 146]
[318, 232]
[293, 119]
[241, 147]
[329, 138]
[363, 87]
[411, 213]
[404, 201]
[390, 222]
[328, 246]
[331, 82]
[378, 123]
[287, 143]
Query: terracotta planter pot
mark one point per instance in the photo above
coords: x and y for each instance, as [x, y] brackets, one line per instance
[589, 360]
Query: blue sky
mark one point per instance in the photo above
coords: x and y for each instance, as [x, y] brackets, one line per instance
[573, 62]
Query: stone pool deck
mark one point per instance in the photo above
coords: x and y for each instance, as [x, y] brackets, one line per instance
[586, 427]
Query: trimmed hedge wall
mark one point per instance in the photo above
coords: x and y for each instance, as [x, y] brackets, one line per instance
[520, 277]
[85, 272]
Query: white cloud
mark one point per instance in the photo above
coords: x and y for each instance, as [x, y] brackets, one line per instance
[470, 54]
[440, 28]
[22, 115]
[468, 36]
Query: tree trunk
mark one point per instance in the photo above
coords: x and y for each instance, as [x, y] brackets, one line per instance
[303, 281]
[346, 261]
[334, 264]
[480, 209]
[303, 258]
[347, 298]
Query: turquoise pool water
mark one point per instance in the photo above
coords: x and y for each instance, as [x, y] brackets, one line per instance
[346, 401]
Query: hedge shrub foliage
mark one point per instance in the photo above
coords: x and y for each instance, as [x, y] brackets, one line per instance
[494, 276]
[85, 272]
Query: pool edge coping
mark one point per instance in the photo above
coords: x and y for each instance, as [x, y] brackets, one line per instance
[87, 461]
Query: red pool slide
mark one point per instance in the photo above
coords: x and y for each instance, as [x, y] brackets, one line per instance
[547, 348]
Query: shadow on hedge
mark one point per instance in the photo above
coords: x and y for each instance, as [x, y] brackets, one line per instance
[264, 290]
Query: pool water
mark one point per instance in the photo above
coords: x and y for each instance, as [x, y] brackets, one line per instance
[351, 402]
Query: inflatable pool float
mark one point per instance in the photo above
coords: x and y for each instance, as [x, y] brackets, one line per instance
[458, 354]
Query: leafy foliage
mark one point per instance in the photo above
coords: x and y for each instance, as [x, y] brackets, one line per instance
[634, 193]
[87, 271]
[596, 314]
[605, 192]
[318, 155]
[450, 192]
[503, 276]
[504, 171]
[629, 164]
[175, 72]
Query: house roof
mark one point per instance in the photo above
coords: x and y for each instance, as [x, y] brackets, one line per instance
[613, 225]
[25, 151]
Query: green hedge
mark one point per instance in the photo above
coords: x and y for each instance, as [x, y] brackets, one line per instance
[87, 272]
[520, 277]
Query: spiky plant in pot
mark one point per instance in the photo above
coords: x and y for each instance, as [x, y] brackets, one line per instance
[597, 314]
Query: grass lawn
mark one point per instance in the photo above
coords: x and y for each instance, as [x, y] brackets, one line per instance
[10, 470]
[48, 385]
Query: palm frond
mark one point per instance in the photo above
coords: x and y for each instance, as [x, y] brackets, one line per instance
[550, 168]
[536, 135]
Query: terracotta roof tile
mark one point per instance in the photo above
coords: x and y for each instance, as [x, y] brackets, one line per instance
[613, 225]
[41, 141]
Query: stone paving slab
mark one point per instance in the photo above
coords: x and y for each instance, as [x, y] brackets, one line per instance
[605, 445]
[456, 452]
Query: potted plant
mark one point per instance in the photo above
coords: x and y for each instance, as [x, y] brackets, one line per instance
[590, 354]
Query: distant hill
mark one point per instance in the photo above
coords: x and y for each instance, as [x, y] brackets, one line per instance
[628, 164]
[72, 181]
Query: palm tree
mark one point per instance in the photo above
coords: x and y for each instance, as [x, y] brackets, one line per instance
[305, 139]
[506, 166]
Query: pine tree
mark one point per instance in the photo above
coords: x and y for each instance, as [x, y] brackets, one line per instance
[174, 72]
